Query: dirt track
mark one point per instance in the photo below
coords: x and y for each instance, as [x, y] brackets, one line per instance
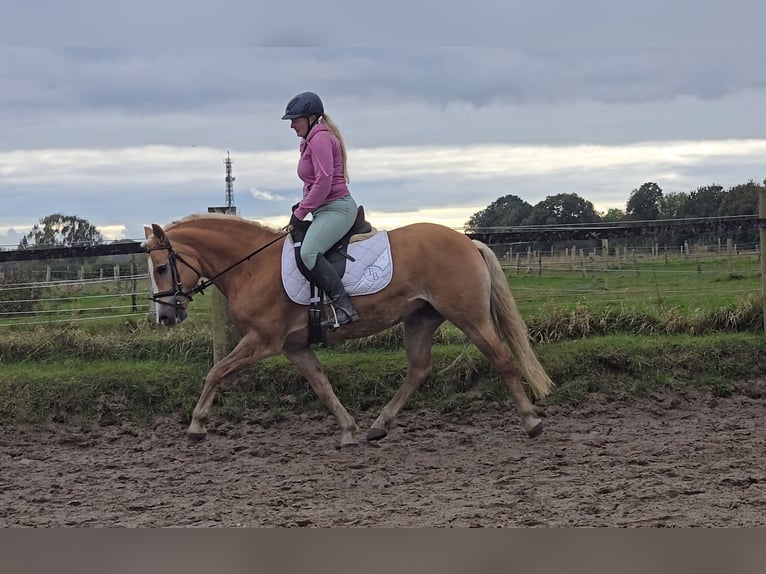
[670, 460]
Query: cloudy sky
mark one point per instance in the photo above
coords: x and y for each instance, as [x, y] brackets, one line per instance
[127, 136]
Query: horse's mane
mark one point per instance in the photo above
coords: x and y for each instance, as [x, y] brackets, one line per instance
[228, 217]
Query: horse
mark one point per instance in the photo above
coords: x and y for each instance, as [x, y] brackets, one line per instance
[438, 275]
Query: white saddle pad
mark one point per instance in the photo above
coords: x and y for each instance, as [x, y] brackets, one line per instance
[370, 271]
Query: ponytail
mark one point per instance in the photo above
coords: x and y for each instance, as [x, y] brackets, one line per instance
[325, 119]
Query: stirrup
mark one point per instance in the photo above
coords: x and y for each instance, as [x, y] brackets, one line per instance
[340, 317]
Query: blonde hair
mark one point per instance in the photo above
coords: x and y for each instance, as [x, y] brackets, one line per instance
[325, 119]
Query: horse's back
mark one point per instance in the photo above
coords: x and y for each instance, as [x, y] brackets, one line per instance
[421, 247]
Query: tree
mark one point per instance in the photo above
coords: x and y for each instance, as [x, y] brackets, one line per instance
[643, 203]
[741, 199]
[704, 202]
[503, 212]
[613, 214]
[671, 206]
[562, 208]
[62, 230]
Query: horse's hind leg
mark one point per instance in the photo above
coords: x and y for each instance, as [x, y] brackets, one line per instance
[486, 340]
[309, 365]
[419, 330]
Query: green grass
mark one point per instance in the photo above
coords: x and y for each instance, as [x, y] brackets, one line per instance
[77, 390]
[655, 285]
[107, 391]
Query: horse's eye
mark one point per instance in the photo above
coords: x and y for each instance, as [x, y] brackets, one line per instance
[161, 269]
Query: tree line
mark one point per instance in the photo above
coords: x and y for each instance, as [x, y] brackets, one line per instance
[646, 203]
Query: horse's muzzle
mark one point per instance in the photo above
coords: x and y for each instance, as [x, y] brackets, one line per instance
[171, 312]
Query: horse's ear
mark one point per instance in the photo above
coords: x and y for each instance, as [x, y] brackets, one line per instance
[147, 231]
[158, 233]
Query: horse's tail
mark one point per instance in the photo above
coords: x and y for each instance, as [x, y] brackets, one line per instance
[511, 326]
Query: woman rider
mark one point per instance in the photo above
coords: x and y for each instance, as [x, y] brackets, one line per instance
[322, 168]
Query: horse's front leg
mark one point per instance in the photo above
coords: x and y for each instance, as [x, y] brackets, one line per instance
[245, 353]
[309, 365]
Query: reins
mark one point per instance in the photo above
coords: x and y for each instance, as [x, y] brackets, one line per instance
[200, 288]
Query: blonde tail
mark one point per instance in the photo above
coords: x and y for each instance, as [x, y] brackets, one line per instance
[511, 326]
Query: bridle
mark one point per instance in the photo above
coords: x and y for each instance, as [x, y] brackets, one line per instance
[177, 291]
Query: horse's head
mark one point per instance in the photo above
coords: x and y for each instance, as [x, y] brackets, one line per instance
[172, 284]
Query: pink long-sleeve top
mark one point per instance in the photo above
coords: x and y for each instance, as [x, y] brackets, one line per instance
[321, 170]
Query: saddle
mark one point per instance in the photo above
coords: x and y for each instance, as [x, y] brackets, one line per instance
[337, 255]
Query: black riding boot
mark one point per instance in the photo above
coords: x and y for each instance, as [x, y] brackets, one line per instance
[328, 280]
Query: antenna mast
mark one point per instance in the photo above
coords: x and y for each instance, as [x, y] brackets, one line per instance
[229, 183]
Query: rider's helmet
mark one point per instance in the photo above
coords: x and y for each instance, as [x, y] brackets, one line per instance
[303, 105]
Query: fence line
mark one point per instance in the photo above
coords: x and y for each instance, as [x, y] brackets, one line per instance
[68, 283]
[72, 320]
[599, 263]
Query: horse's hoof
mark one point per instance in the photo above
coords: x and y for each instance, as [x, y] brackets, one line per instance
[536, 430]
[376, 434]
[195, 437]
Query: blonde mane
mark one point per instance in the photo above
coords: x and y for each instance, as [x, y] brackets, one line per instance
[222, 216]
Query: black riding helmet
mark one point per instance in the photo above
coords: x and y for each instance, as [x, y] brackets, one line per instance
[303, 105]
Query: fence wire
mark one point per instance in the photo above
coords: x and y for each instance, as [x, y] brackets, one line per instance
[102, 298]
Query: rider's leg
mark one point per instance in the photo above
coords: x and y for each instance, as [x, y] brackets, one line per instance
[330, 223]
[328, 279]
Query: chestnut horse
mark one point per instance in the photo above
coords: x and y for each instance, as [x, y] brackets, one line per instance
[438, 274]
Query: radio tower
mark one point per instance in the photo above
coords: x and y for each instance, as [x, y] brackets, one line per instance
[229, 184]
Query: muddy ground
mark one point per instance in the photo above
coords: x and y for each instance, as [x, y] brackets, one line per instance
[680, 459]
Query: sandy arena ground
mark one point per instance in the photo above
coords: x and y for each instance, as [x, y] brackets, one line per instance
[674, 459]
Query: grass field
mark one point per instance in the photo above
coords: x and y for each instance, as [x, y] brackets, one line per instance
[646, 284]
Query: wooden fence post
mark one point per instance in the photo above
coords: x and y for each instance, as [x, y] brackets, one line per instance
[574, 257]
[729, 255]
[225, 336]
[529, 259]
[133, 302]
[762, 231]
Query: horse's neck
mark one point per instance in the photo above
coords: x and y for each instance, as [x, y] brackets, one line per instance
[225, 244]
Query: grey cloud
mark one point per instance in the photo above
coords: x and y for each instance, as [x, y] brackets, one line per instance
[166, 81]
[563, 25]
